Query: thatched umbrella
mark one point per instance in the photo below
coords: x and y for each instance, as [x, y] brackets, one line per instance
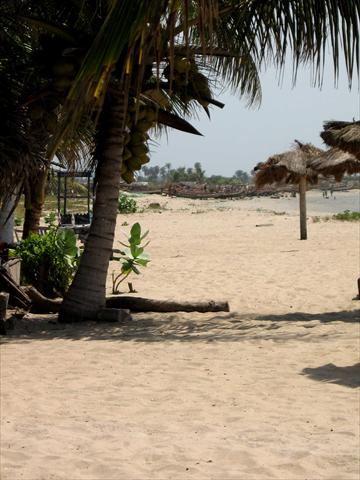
[337, 163]
[344, 135]
[291, 167]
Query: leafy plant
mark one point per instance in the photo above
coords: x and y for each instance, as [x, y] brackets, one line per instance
[17, 221]
[127, 204]
[132, 257]
[50, 219]
[348, 216]
[49, 261]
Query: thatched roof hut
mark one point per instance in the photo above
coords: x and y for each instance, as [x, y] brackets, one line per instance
[336, 162]
[344, 135]
[289, 167]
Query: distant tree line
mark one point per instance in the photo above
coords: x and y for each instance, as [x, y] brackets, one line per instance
[166, 174]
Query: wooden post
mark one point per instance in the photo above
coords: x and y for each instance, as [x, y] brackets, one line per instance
[4, 298]
[65, 193]
[302, 191]
[59, 193]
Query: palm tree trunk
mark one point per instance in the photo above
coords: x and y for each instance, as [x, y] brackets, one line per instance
[34, 201]
[87, 292]
[7, 220]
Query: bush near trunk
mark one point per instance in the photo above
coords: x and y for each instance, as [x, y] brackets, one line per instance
[49, 261]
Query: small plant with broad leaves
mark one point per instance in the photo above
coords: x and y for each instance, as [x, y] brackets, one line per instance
[127, 204]
[132, 258]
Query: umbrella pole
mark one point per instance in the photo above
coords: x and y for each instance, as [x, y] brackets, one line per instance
[302, 192]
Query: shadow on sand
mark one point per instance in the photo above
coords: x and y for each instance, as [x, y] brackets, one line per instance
[187, 327]
[330, 373]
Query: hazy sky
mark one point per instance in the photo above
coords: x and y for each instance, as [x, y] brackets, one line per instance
[237, 137]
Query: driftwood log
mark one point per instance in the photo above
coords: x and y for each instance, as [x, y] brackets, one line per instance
[139, 304]
[42, 304]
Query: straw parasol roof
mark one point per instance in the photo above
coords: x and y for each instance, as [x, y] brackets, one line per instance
[344, 135]
[289, 167]
[336, 162]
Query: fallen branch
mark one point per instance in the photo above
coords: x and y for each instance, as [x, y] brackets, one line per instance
[139, 304]
[40, 303]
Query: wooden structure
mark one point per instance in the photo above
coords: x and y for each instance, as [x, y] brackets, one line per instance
[344, 135]
[62, 199]
[292, 167]
[337, 163]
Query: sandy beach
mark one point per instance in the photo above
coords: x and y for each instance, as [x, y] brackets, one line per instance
[269, 390]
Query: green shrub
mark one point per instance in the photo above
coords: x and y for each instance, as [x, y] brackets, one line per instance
[127, 204]
[49, 261]
[50, 218]
[17, 221]
[347, 216]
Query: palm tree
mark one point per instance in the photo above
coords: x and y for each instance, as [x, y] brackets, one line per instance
[134, 47]
[135, 35]
[34, 87]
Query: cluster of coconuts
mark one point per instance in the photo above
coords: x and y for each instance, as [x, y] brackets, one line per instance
[188, 82]
[140, 119]
[42, 111]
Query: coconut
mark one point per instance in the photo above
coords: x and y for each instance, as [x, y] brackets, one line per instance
[145, 159]
[127, 154]
[128, 176]
[139, 150]
[144, 125]
[137, 138]
[182, 65]
[134, 163]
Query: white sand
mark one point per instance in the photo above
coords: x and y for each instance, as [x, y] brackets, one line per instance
[269, 390]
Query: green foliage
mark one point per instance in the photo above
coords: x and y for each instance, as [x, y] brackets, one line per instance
[18, 221]
[347, 216]
[50, 219]
[133, 257]
[156, 174]
[127, 204]
[49, 261]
